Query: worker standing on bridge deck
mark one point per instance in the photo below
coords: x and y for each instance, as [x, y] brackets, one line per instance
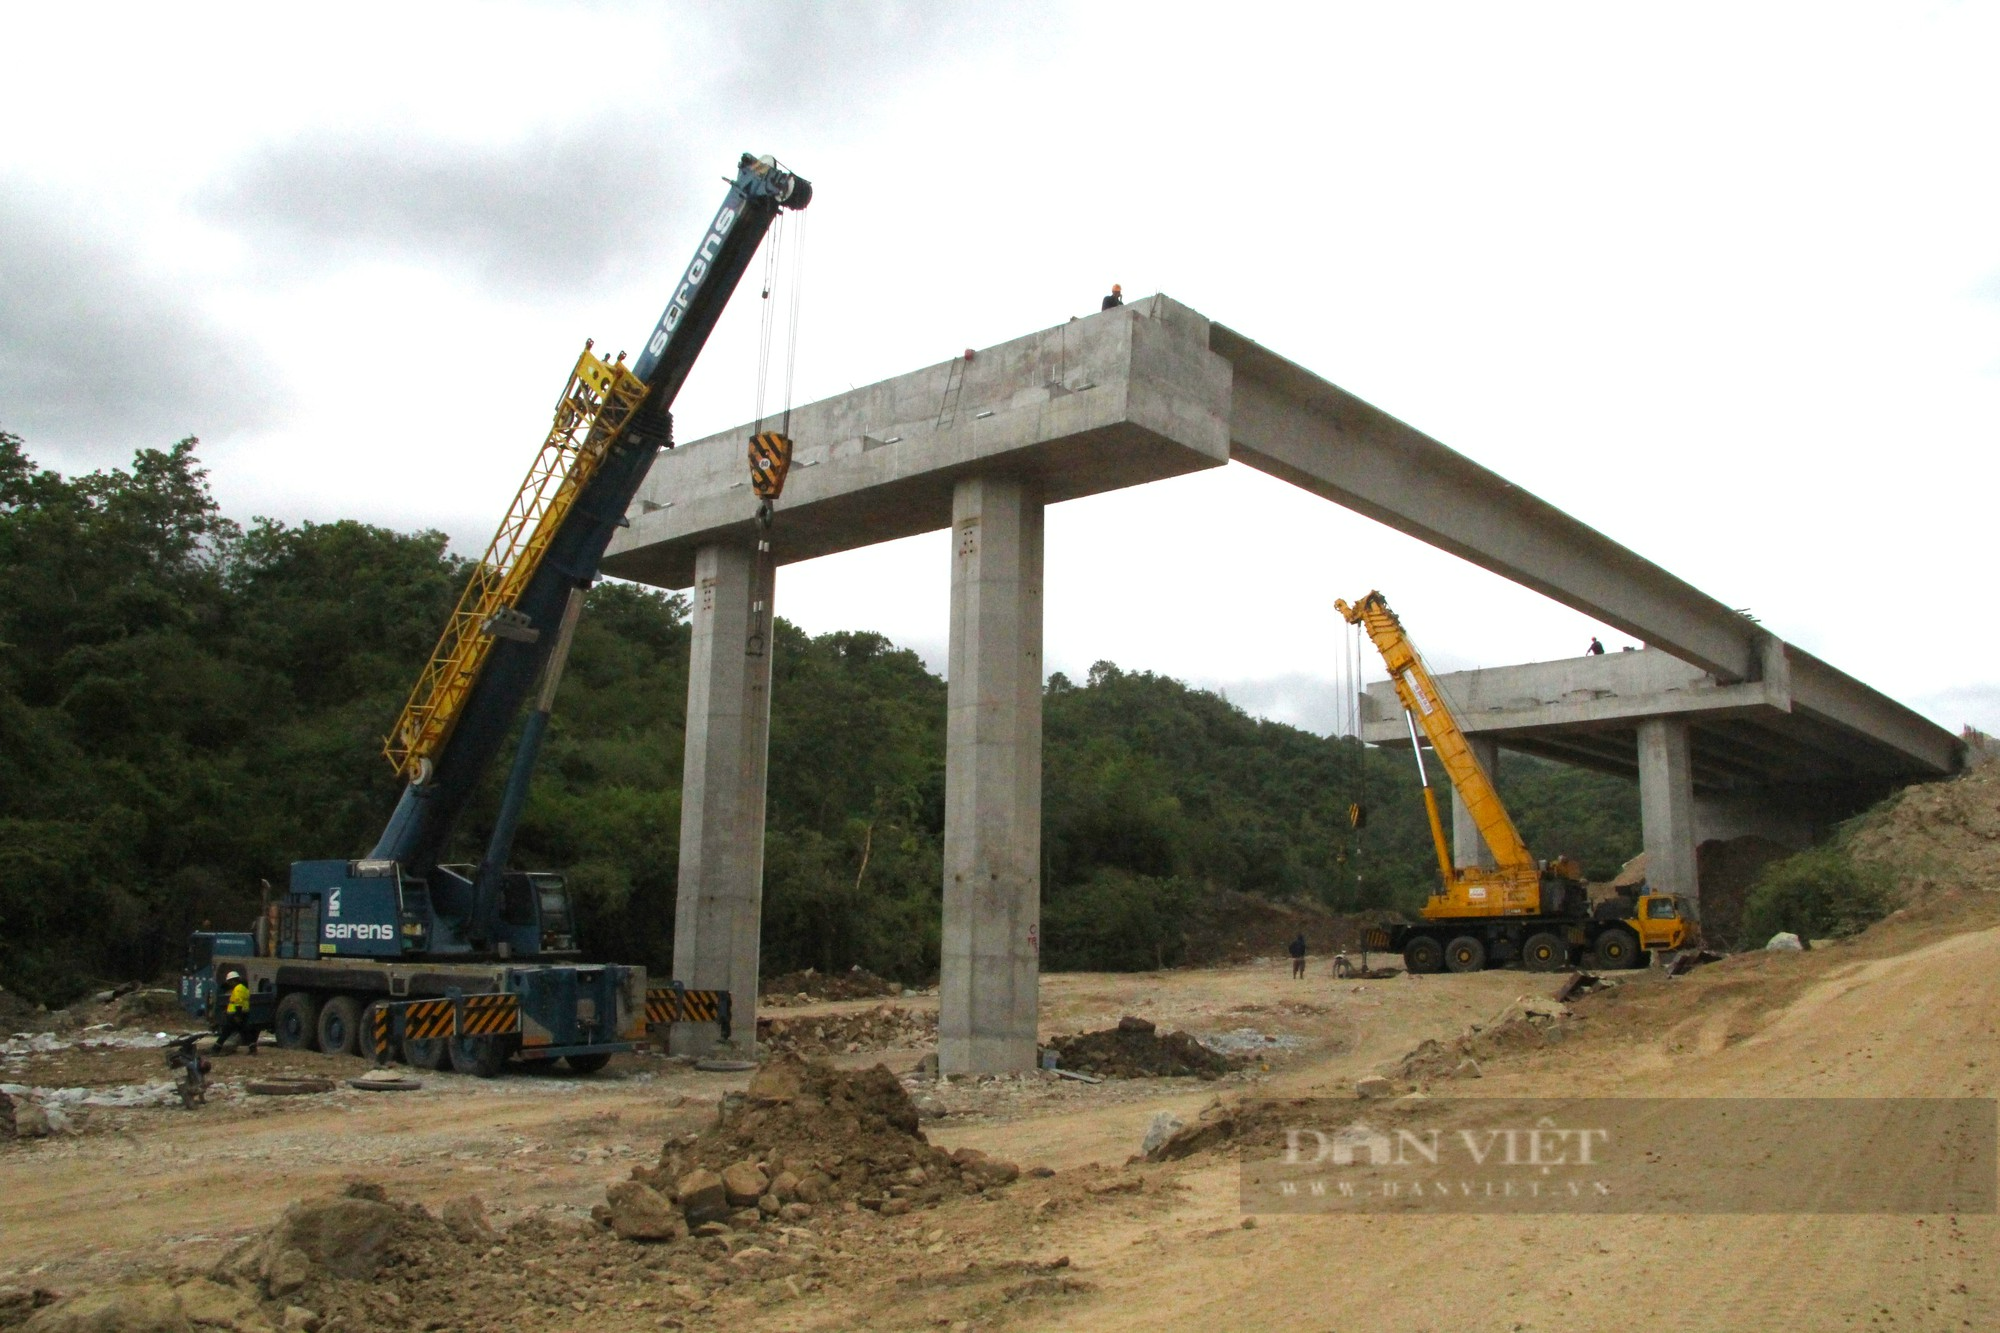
[236, 1015]
[1116, 299]
[1299, 956]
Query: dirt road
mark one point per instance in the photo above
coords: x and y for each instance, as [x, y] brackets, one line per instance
[1912, 1010]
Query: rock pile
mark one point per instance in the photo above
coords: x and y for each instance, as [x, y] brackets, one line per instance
[803, 1137]
[857, 983]
[884, 1026]
[1137, 1049]
[1525, 1025]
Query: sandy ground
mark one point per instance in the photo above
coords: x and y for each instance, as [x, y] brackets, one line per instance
[1913, 1009]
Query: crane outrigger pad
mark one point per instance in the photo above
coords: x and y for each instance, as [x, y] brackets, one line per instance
[678, 1004]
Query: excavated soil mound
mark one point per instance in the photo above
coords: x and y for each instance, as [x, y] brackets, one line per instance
[803, 1136]
[872, 1030]
[1939, 836]
[1136, 1049]
[857, 983]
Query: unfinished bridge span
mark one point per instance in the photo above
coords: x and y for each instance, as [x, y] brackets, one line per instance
[1719, 720]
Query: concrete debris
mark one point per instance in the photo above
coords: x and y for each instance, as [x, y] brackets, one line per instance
[1784, 942]
[884, 1026]
[1250, 1042]
[1165, 1125]
[1579, 983]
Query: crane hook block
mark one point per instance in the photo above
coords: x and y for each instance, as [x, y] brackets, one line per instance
[770, 460]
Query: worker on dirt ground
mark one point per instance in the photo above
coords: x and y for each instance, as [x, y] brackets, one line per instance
[1116, 299]
[1299, 956]
[1596, 649]
[235, 1015]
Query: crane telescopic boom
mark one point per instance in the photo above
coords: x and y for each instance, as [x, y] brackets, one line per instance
[609, 422]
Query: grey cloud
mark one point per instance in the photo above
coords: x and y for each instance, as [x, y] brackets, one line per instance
[562, 206]
[548, 212]
[97, 357]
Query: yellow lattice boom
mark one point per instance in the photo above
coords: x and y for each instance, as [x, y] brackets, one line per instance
[596, 404]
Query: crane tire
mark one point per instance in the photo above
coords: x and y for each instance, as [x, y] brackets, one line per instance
[481, 1057]
[1617, 948]
[339, 1025]
[364, 1040]
[426, 1052]
[295, 1026]
[1423, 954]
[1465, 954]
[1545, 951]
[587, 1064]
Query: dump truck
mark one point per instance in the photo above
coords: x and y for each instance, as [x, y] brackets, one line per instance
[403, 951]
[1536, 913]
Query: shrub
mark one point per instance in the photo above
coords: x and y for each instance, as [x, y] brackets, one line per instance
[1815, 894]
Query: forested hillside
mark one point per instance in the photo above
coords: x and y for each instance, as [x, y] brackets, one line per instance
[186, 705]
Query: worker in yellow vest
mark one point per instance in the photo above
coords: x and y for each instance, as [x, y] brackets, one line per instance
[235, 1015]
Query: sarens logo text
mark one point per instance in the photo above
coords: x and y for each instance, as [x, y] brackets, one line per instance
[704, 259]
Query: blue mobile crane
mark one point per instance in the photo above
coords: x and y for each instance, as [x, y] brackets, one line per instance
[466, 966]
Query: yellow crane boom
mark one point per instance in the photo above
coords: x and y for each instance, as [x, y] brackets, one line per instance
[1513, 886]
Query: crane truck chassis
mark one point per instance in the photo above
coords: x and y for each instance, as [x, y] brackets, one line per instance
[1520, 909]
[465, 966]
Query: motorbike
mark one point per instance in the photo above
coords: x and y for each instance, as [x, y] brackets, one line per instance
[192, 1068]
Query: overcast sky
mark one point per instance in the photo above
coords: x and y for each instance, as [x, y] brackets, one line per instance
[1723, 281]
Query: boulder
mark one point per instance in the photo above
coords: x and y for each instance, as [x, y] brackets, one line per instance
[1164, 1125]
[345, 1236]
[989, 1172]
[298, 1319]
[785, 1185]
[142, 1308]
[30, 1120]
[207, 1303]
[813, 1187]
[287, 1271]
[639, 1212]
[702, 1197]
[465, 1218]
[1143, 1026]
[1784, 942]
[1468, 1068]
[744, 1183]
[1374, 1086]
[776, 1081]
[795, 1212]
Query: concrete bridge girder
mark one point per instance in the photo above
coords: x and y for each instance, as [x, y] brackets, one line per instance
[1131, 395]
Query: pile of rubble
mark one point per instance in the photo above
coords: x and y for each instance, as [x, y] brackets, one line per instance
[810, 986]
[1527, 1024]
[884, 1026]
[803, 1137]
[1137, 1049]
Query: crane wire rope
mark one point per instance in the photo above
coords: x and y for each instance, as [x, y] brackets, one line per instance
[773, 249]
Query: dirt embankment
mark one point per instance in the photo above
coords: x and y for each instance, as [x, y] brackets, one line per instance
[812, 986]
[1237, 927]
[1936, 836]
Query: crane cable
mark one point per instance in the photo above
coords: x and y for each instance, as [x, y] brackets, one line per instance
[770, 452]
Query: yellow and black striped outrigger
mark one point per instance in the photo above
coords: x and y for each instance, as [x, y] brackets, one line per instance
[678, 1004]
[495, 1015]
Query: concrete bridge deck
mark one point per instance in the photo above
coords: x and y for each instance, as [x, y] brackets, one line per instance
[981, 444]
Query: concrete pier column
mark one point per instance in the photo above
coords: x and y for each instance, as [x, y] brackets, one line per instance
[991, 961]
[719, 907]
[1468, 849]
[1666, 808]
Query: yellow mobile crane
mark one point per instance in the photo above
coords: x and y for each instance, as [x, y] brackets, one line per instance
[1520, 909]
